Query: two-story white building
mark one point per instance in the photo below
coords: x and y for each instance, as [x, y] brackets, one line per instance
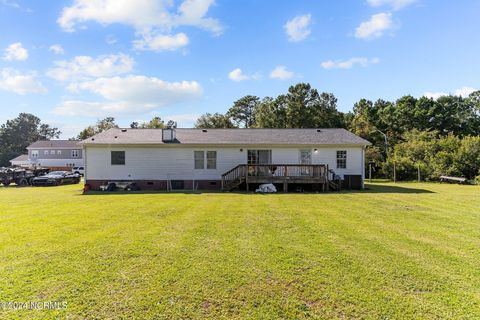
[56, 154]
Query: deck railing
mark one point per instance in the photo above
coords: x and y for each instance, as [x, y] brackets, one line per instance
[233, 176]
[278, 173]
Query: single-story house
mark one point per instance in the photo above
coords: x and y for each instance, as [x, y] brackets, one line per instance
[56, 154]
[20, 161]
[224, 158]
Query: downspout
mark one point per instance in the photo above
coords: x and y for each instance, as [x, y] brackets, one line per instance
[85, 167]
[363, 167]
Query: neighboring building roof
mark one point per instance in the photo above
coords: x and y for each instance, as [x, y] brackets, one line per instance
[58, 144]
[21, 158]
[229, 137]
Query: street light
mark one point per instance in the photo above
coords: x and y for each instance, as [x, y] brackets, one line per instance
[386, 141]
[386, 155]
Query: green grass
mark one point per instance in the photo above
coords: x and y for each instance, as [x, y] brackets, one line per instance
[396, 251]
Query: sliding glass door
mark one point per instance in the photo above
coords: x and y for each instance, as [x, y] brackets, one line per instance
[305, 158]
[259, 157]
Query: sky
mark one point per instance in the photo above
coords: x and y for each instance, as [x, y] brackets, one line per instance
[73, 62]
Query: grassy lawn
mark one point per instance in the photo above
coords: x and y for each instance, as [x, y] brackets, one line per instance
[396, 251]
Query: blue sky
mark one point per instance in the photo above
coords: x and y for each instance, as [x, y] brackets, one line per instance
[76, 61]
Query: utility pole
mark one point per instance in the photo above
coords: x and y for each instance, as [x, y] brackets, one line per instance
[370, 172]
[394, 171]
[386, 153]
[386, 142]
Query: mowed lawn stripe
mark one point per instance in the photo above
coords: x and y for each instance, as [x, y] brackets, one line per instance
[395, 251]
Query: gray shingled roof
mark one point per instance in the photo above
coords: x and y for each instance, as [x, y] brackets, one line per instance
[230, 137]
[23, 157]
[62, 144]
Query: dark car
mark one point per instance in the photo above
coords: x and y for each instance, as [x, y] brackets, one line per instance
[56, 178]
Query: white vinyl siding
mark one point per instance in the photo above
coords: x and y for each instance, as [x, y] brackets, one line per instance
[176, 163]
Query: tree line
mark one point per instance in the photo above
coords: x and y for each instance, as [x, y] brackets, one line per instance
[438, 136]
[301, 107]
[17, 134]
[399, 130]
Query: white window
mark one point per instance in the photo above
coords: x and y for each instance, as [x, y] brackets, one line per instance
[45, 152]
[341, 159]
[52, 151]
[75, 154]
[211, 159]
[199, 159]
[118, 157]
[59, 151]
[34, 153]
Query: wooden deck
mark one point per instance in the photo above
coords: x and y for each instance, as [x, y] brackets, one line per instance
[283, 174]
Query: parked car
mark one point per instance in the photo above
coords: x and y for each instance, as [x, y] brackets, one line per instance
[20, 176]
[56, 178]
[79, 170]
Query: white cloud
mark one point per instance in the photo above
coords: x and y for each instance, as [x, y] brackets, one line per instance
[82, 67]
[183, 120]
[57, 49]
[15, 5]
[20, 83]
[141, 89]
[237, 75]
[110, 39]
[375, 27]
[161, 42]
[350, 63]
[298, 29]
[15, 51]
[153, 20]
[75, 108]
[281, 73]
[130, 94]
[435, 95]
[463, 92]
[9, 3]
[395, 4]
[193, 12]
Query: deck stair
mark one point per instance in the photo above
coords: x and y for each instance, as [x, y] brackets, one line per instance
[234, 178]
[334, 181]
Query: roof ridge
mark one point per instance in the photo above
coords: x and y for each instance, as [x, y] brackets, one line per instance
[230, 136]
[123, 128]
